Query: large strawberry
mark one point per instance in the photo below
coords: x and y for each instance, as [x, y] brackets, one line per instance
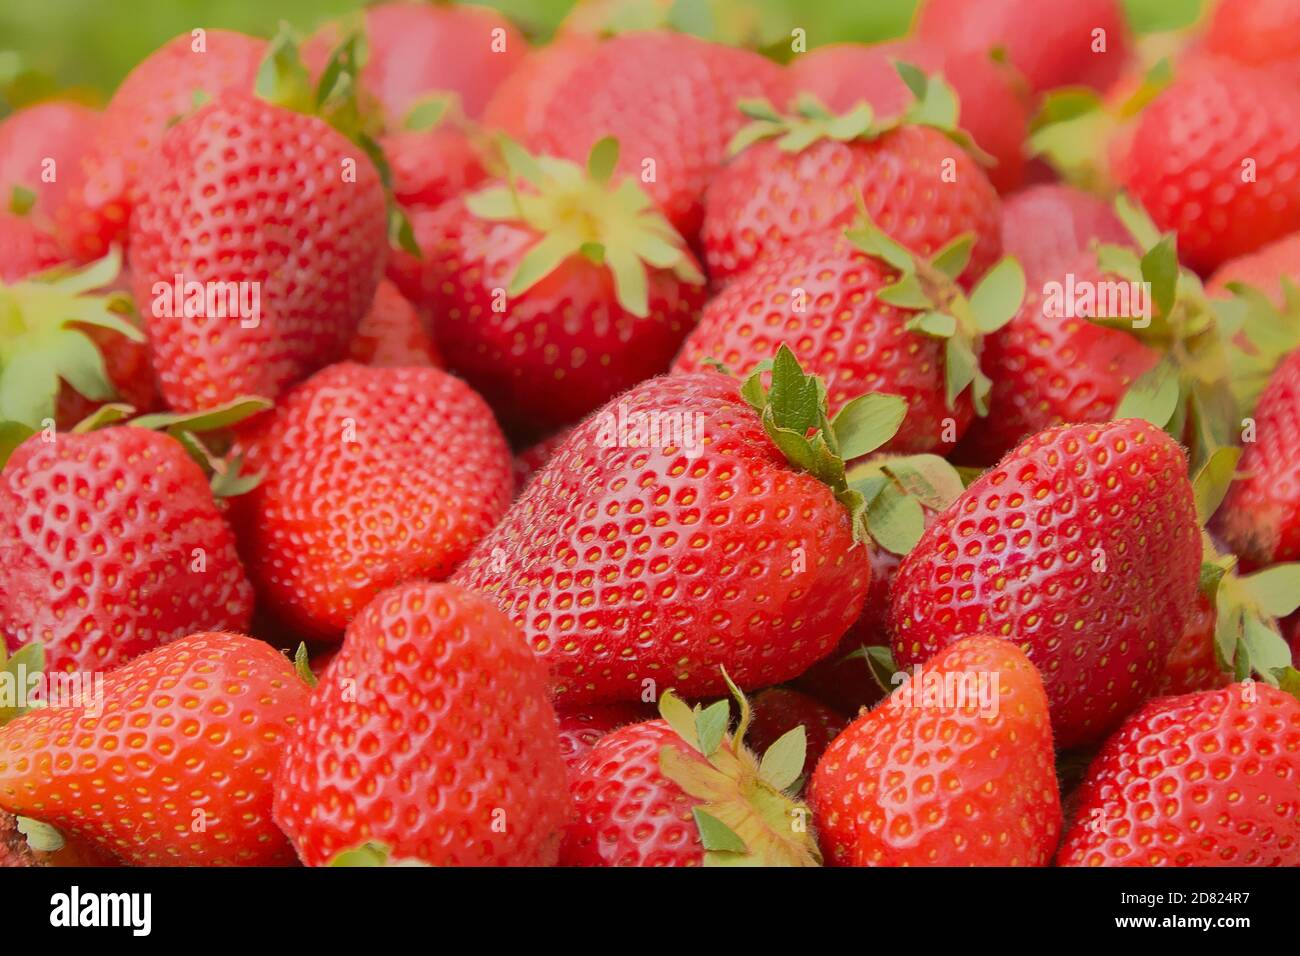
[556, 290]
[111, 175]
[373, 476]
[40, 148]
[111, 544]
[994, 108]
[245, 288]
[430, 732]
[1052, 44]
[954, 769]
[685, 791]
[1204, 779]
[167, 761]
[864, 314]
[670, 100]
[814, 170]
[1083, 547]
[669, 534]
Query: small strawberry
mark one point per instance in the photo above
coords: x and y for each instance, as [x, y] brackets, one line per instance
[372, 477]
[1205, 779]
[431, 733]
[928, 779]
[582, 727]
[433, 157]
[1192, 665]
[556, 290]
[813, 171]
[670, 100]
[40, 148]
[682, 791]
[671, 534]
[1081, 43]
[779, 710]
[281, 286]
[393, 334]
[171, 764]
[1082, 546]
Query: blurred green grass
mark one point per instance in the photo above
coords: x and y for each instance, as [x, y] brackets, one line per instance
[91, 44]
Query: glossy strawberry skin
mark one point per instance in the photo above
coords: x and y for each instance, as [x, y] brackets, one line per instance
[1017, 556]
[1206, 779]
[1185, 164]
[221, 213]
[627, 813]
[111, 544]
[1051, 44]
[766, 197]
[393, 334]
[536, 372]
[626, 564]
[1050, 227]
[197, 725]
[666, 97]
[54, 131]
[838, 329]
[112, 174]
[372, 477]
[447, 735]
[779, 710]
[992, 109]
[530, 461]
[582, 727]
[1260, 517]
[431, 166]
[912, 783]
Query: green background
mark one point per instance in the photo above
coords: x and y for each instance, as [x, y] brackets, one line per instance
[91, 44]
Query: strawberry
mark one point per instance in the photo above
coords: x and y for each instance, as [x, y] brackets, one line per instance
[1204, 779]
[40, 147]
[670, 100]
[670, 535]
[1192, 665]
[25, 248]
[814, 171]
[458, 762]
[1257, 32]
[555, 290]
[111, 544]
[372, 477]
[779, 710]
[393, 333]
[418, 50]
[434, 156]
[517, 107]
[530, 461]
[171, 762]
[954, 769]
[1050, 227]
[1082, 545]
[863, 313]
[18, 847]
[1264, 269]
[1208, 159]
[111, 177]
[230, 222]
[682, 791]
[581, 728]
[1081, 43]
[994, 110]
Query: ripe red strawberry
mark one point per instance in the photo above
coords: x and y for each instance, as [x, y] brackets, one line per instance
[530, 461]
[1051, 226]
[111, 176]
[40, 148]
[670, 100]
[994, 109]
[173, 766]
[684, 791]
[1258, 32]
[915, 183]
[430, 733]
[518, 106]
[1083, 546]
[652, 551]
[430, 166]
[554, 296]
[1260, 517]
[372, 477]
[25, 247]
[1192, 665]
[393, 333]
[417, 50]
[954, 769]
[233, 219]
[110, 545]
[1208, 159]
[1080, 43]
[1264, 269]
[1204, 779]
[779, 710]
[581, 728]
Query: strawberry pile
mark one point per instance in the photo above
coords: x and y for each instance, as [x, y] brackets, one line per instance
[424, 448]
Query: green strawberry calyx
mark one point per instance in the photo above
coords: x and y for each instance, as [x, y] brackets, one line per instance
[590, 213]
[43, 342]
[747, 814]
[794, 413]
[374, 854]
[16, 670]
[934, 104]
[898, 490]
[1258, 334]
[941, 308]
[1247, 639]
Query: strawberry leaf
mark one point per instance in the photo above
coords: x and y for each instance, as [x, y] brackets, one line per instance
[12, 434]
[998, 295]
[1212, 481]
[716, 836]
[895, 520]
[1154, 396]
[711, 726]
[1275, 589]
[867, 422]
[783, 762]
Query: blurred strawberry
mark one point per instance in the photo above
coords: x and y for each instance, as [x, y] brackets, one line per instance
[430, 166]
[1049, 226]
[1257, 32]
[1263, 269]
[393, 334]
[40, 148]
[518, 107]
[25, 247]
